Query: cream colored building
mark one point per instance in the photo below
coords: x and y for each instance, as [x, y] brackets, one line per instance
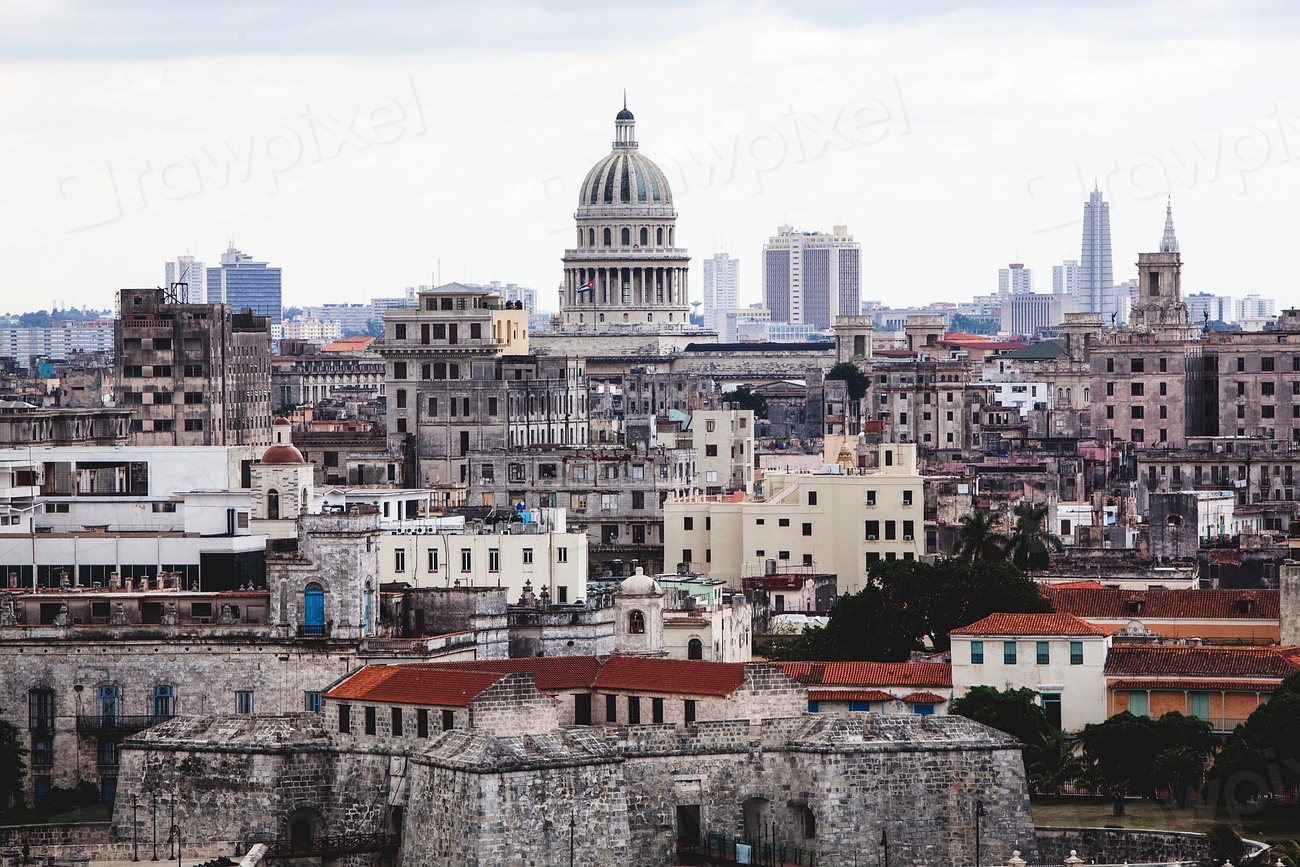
[548, 557]
[1058, 656]
[838, 521]
[724, 443]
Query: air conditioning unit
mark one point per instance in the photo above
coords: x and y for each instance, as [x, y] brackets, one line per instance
[907, 538]
[871, 538]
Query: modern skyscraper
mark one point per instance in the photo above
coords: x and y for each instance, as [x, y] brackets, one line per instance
[1015, 279]
[721, 285]
[809, 278]
[195, 277]
[1096, 275]
[243, 283]
[1065, 278]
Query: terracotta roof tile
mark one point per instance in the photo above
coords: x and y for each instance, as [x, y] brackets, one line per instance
[414, 684]
[1112, 603]
[680, 676]
[1143, 660]
[923, 698]
[553, 673]
[848, 695]
[1030, 624]
[870, 673]
[1258, 685]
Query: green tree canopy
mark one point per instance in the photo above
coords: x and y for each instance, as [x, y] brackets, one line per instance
[12, 767]
[908, 605]
[1263, 754]
[1014, 711]
[746, 398]
[857, 379]
[1135, 755]
[1031, 545]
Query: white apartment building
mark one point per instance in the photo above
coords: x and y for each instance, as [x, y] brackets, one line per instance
[1058, 656]
[190, 273]
[56, 342]
[831, 522]
[1065, 278]
[542, 552]
[724, 442]
[809, 278]
[721, 286]
[1015, 279]
[308, 328]
[729, 322]
[1203, 307]
[1255, 307]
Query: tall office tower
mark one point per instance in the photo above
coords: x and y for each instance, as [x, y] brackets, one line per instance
[192, 374]
[195, 277]
[809, 278]
[243, 283]
[1095, 272]
[1255, 307]
[1015, 279]
[721, 285]
[1065, 278]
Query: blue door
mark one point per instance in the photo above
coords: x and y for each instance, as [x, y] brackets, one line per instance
[108, 705]
[313, 610]
[108, 790]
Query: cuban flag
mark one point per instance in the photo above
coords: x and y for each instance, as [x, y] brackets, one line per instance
[587, 287]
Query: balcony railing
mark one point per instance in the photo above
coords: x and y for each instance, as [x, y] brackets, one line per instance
[714, 847]
[318, 630]
[117, 724]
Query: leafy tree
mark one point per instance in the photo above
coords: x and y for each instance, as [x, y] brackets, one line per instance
[1134, 755]
[973, 325]
[1030, 545]
[1178, 769]
[12, 767]
[746, 398]
[1224, 844]
[1265, 749]
[858, 381]
[908, 605]
[978, 538]
[290, 312]
[1014, 711]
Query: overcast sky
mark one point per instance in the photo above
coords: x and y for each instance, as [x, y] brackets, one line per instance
[365, 149]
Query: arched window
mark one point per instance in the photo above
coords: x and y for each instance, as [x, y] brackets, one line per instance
[591, 237]
[659, 236]
[645, 237]
[164, 702]
[608, 238]
[273, 504]
[313, 609]
[365, 612]
[1085, 395]
[627, 237]
[635, 623]
[695, 649]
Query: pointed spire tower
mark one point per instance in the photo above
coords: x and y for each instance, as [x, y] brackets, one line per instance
[1169, 243]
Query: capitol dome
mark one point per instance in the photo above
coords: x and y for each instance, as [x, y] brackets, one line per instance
[625, 177]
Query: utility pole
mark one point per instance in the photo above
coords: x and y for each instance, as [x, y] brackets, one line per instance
[135, 837]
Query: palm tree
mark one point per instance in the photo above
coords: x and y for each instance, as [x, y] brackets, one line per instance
[1053, 763]
[978, 539]
[1030, 545]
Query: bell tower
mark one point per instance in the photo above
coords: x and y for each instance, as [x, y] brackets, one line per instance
[1160, 308]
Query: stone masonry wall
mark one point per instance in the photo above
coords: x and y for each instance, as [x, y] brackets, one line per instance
[513, 705]
[1116, 846]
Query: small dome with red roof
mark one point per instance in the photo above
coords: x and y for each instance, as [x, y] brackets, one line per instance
[282, 451]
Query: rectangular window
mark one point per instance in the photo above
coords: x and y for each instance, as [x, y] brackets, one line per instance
[528, 556]
[891, 530]
[871, 498]
[807, 529]
[908, 530]
[311, 701]
[1200, 702]
[466, 560]
[448, 720]
[657, 710]
[1076, 653]
[494, 559]
[812, 498]
[977, 653]
[370, 720]
[611, 708]
[633, 710]
[492, 406]
[399, 370]
[397, 722]
[399, 560]
[433, 407]
[561, 555]
[688, 523]
[433, 559]
[401, 398]
[1043, 653]
[244, 701]
[422, 722]
[1008, 653]
[690, 711]
[582, 708]
[345, 718]
[1135, 365]
[1139, 704]
[194, 424]
[399, 331]
[873, 531]
[1136, 389]
[907, 498]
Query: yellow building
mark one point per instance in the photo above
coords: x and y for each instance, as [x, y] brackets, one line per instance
[837, 521]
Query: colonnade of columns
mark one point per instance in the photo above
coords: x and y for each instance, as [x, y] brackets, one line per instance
[624, 286]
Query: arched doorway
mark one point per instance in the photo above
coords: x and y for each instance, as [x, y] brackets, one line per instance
[695, 649]
[313, 610]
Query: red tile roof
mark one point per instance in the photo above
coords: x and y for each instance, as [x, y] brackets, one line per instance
[685, 677]
[1112, 603]
[414, 684]
[870, 673]
[923, 698]
[1257, 685]
[848, 695]
[1030, 624]
[1144, 660]
[553, 673]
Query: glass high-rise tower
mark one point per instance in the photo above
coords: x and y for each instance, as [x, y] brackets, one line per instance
[1096, 277]
[243, 283]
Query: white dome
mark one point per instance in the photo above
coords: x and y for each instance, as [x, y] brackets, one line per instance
[639, 584]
